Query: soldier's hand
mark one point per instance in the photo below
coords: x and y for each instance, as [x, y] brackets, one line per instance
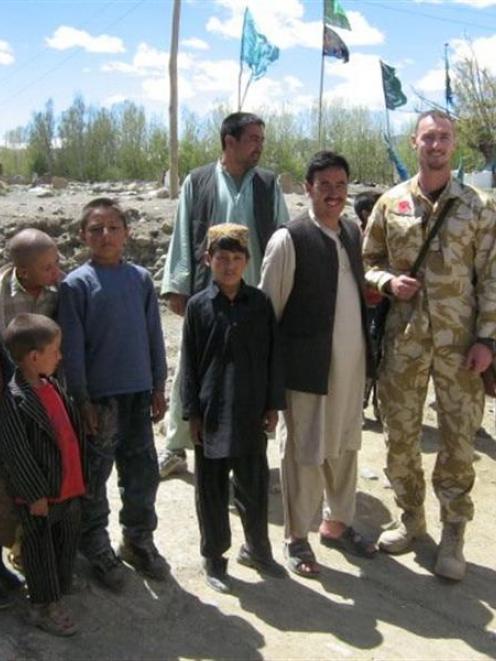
[479, 357]
[177, 303]
[403, 287]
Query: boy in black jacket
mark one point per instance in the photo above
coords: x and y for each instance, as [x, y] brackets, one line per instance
[231, 387]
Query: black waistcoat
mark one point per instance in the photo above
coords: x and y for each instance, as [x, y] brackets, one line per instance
[307, 322]
[204, 197]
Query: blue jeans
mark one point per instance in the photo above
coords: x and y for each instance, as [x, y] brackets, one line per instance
[125, 435]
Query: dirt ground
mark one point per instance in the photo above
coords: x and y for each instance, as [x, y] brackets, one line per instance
[387, 608]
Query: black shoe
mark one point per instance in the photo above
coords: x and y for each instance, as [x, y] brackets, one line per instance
[145, 558]
[265, 564]
[216, 574]
[109, 570]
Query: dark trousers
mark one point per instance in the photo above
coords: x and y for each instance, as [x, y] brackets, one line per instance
[48, 550]
[251, 494]
[125, 435]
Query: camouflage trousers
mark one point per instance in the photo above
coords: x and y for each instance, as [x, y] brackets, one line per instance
[402, 389]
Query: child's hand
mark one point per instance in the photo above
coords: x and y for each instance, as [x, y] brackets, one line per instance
[270, 421]
[39, 507]
[177, 303]
[195, 429]
[159, 405]
[90, 418]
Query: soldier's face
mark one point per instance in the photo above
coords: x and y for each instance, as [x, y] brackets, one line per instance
[434, 143]
[328, 193]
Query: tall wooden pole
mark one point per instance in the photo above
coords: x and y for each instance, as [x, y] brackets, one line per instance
[173, 103]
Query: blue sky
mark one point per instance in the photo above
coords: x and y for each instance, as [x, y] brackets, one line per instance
[111, 50]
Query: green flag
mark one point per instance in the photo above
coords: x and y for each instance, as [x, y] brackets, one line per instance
[335, 15]
[393, 94]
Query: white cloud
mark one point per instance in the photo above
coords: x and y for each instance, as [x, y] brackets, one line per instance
[477, 4]
[281, 21]
[482, 48]
[361, 82]
[433, 81]
[66, 37]
[110, 101]
[148, 61]
[195, 43]
[6, 54]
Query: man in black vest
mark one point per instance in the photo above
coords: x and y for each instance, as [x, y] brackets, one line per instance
[313, 273]
[230, 190]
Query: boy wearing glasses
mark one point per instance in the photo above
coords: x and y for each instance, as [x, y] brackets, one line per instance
[114, 361]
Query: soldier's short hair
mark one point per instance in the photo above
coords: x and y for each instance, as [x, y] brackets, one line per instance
[29, 332]
[435, 114]
[28, 244]
[324, 160]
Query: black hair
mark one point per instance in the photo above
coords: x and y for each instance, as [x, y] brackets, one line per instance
[365, 202]
[227, 243]
[235, 123]
[29, 332]
[323, 160]
[102, 203]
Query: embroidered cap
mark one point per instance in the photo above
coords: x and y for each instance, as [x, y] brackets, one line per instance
[237, 233]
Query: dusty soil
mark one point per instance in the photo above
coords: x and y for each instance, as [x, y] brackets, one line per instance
[388, 608]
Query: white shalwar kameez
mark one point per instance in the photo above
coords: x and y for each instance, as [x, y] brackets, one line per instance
[320, 435]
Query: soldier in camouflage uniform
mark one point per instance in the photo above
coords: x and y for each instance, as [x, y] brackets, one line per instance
[441, 324]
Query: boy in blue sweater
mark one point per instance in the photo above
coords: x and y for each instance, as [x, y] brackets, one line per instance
[115, 366]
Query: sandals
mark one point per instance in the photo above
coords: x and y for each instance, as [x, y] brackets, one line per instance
[299, 553]
[53, 618]
[350, 541]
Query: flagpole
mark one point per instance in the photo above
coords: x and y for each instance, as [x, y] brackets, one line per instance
[446, 75]
[322, 65]
[320, 99]
[246, 91]
[241, 60]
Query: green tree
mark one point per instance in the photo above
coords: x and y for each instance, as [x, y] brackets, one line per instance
[475, 97]
[41, 134]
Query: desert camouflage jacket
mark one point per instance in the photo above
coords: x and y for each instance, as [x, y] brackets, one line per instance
[457, 301]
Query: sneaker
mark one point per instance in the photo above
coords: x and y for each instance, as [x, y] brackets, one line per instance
[216, 574]
[145, 558]
[173, 462]
[8, 579]
[109, 570]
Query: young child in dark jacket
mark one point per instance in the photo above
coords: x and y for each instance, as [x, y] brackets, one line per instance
[41, 447]
[232, 388]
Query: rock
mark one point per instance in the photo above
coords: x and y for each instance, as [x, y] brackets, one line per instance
[161, 194]
[59, 182]
[289, 185]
